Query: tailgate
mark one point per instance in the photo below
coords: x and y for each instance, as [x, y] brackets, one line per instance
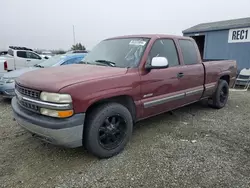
[2, 71]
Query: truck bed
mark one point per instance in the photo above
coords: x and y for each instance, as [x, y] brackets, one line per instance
[206, 60]
[216, 69]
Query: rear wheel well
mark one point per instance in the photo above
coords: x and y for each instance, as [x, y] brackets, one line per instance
[124, 100]
[226, 78]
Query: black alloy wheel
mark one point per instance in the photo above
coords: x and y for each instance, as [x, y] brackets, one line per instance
[223, 94]
[108, 129]
[220, 96]
[112, 132]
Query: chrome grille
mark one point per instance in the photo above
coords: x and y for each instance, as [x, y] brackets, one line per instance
[27, 92]
[29, 106]
[30, 93]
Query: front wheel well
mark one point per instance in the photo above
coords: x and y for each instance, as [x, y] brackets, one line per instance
[226, 78]
[124, 100]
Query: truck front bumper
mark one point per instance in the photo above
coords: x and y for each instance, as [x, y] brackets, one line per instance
[66, 132]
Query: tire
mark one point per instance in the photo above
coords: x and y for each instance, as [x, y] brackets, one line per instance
[101, 128]
[220, 97]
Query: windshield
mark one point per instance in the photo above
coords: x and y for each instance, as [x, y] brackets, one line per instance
[123, 53]
[52, 61]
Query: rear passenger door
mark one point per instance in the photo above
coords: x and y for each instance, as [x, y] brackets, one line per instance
[192, 79]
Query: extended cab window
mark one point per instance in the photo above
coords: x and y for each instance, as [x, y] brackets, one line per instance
[164, 48]
[21, 54]
[189, 52]
[31, 55]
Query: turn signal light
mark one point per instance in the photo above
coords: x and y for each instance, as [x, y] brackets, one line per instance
[5, 65]
[66, 113]
[56, 113]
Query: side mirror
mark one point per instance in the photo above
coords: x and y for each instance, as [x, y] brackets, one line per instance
[158, 63]
[46, 57]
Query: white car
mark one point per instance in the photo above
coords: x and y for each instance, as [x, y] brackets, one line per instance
[17, 58]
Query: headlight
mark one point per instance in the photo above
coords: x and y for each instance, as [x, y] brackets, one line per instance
[10, 81]
[55, 97]
[56, 113]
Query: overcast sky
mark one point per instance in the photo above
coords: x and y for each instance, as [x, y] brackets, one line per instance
[48, 23]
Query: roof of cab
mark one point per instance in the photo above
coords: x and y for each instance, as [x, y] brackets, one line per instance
[151, 36]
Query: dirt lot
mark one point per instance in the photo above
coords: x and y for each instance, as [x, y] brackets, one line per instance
[194, 147]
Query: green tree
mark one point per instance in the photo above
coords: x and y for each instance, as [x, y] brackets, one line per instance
[78, 46]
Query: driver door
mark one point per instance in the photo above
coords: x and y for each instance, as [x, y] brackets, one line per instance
[161, 89]
[20, 59]
[32, 59]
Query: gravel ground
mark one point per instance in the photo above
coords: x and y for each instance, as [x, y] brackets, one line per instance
[196, 146]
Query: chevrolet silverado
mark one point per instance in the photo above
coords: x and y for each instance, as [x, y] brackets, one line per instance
[121, 81]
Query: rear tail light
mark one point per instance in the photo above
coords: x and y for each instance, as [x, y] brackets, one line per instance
[5, 65]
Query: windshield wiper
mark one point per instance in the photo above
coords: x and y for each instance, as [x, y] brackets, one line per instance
[106, 62]
[83, 62]
[36, 65]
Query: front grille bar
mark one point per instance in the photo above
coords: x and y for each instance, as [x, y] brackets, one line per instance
[42, 104]
[28, 92]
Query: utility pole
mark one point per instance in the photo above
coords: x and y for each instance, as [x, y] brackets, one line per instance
[74, 36]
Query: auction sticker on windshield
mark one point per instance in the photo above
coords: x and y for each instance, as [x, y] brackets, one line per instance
[137, 42]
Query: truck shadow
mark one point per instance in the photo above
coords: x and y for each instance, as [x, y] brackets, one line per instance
[180, 124]
[51, 152]
[30, 149]
[140, 127]
[192, 110]
[5, 100]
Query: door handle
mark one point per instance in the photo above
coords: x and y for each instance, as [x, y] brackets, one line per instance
[28, 60]
[180, 74]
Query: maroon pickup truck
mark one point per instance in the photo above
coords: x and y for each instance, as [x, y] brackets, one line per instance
[121, 81]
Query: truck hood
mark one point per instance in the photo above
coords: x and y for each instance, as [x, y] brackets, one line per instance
[16, 73]
[55, 78]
